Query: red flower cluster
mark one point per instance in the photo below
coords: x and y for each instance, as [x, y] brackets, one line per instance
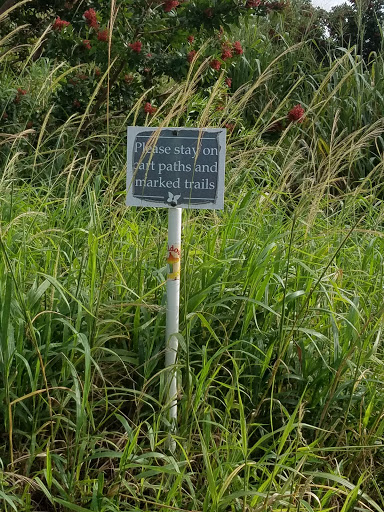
[128, 79]
[103, 35]
[208, 12]
[237, 48]
[296, 114]
[190, 39]
[228, 81]
[97, 72]
[251, 4]
[226, 52]
[215, 64]
[170, 4]
[191, 55]
[149, 109]
[60, 24]
[136, 46]
[20, 93]
[230, 127]
[91, 18]
[87, 44]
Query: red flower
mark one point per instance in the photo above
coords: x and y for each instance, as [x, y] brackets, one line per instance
[91, 18]
[220, 107]
[208, 12]
[60, 24]
[170, 4]
[136, 46]
[227, 54]
[87, 44]
[228, 81]
[76, 103]
[215, 64]
[296, 114]
[190, 39]
[149, 109]
[191, 55]
[149, 55]
[230, 127]
[20, 92]
[128, 79]
[147, 70]
[103, 35]
[97, 72]
[252, 4]
[237, 48]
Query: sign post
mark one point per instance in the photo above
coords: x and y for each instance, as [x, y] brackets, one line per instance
[175, 168]
[172, 313]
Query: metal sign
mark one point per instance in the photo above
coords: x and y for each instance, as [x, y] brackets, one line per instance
[176, 167]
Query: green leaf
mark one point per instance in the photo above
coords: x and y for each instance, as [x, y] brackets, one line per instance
[71, 506]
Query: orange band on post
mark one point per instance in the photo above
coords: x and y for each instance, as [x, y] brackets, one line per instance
[173, 262]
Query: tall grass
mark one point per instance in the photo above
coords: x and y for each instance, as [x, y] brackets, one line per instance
[280, 361]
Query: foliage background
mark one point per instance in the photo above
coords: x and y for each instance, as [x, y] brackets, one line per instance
[281, 360]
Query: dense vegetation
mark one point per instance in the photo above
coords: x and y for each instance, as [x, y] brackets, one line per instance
[281, 346]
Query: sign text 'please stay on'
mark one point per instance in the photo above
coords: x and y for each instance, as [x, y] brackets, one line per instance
[171, 167]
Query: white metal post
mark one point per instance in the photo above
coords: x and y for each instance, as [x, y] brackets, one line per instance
[172, 312]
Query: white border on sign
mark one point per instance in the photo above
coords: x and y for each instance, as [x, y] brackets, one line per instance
[132, 133]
